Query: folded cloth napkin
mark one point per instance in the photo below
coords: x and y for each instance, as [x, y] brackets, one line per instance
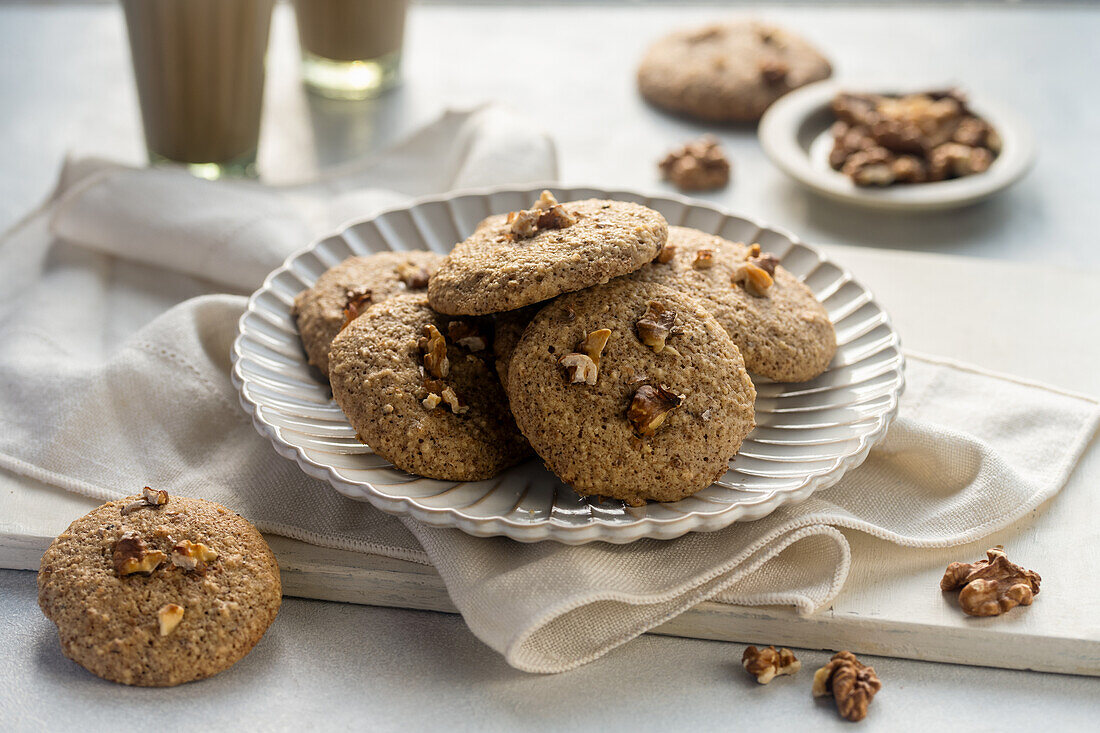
[114, 373]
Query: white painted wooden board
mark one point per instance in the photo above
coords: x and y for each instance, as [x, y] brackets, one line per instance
[335, 575]
[891, 604]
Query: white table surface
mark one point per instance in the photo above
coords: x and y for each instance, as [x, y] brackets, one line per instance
[65, 85]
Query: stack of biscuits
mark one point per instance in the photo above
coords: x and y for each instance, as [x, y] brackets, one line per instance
[615, 347]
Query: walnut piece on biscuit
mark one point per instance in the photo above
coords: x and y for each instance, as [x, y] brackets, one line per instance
[130, 555]
[649, 408]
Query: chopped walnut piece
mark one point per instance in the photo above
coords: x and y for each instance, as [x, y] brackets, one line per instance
[579, 369]
[649, 408]
[851, 683]
[356, 301]
[704, 259]
[954, 160]
[768, 663]
[870, 167]
[774, 71]
[192, 555]
[466, 335]
[414, 276]
[766, 261]
[656, 325]
[130, 555]
[434, 347]
[583, 365]
[449, 396]
[914, 138]
[546, 213]
[556, 218]
[593, 344]
[545, 202]
[149, 498]
[697, 166]
[431, 401]
[991, 586]
[523, 224]
[169, 617]
[751, 276]
[666, 254]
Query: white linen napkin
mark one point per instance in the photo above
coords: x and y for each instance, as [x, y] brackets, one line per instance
[115, 374]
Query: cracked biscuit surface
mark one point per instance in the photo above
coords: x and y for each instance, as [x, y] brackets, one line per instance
[319, 310]
[727, 72]
[416, 392]
[657, 426]
[495, 270]
[784, 334]
[161, 594]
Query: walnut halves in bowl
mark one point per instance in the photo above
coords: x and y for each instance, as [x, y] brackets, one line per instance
[879, 140]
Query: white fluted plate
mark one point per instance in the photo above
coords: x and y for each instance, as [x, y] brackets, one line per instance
[807, 434]
[796, 134]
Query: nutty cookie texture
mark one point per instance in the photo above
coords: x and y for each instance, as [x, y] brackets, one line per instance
[538, 253]
[507, 330]
[419, 389]
[346, 290]
[613, 415]
[782, 330]
[727, 72]
[156, 591]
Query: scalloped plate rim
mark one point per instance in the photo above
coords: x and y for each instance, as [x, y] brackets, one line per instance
[548, 529]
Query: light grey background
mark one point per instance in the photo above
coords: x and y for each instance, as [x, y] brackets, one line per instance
[65, 85]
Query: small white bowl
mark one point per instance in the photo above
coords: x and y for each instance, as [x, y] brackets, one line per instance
[795, 135]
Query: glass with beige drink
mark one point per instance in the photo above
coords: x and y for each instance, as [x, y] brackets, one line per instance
[351, 49]
[199, 68]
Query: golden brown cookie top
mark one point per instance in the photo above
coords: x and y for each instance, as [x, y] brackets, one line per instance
[350, 288]
[538, 253]
[727, 71]
[420, 389]
[631, 390]
[782, 330]
[157, 594]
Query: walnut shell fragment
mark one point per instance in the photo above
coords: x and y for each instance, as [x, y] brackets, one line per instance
[649, 408]
[768, 663]
[850, 682]
[992, 586]
[656, 325]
